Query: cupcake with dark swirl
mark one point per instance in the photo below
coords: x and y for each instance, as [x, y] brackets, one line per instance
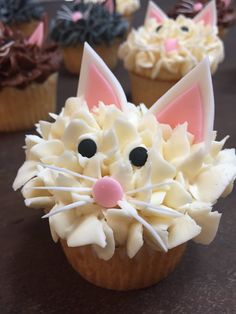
[28, 79]
[226, 12]
[23, 15]
[95, 23]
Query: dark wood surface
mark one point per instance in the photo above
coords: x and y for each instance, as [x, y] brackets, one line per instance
[35, 276]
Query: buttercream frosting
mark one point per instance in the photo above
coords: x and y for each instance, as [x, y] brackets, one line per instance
[168, 50]
[23, 62]
[167, 201]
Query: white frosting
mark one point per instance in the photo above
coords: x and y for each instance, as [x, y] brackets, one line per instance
[173, 199]
[144, 50]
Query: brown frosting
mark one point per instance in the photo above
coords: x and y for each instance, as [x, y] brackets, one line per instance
[22, 63]
[226, 14]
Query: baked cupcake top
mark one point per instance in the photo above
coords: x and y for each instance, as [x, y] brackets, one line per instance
[110, 174]
[20, 11]
[167, 49]
[91, 22]
[24, 61]
[226, 13]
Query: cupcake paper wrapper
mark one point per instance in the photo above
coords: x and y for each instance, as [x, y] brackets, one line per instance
[120, 272]
[20, 109]
[148, 91]
[73, 56]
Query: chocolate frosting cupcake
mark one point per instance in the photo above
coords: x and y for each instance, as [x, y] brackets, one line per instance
[226, 11]
[90, 22]
[22, 63]
[20, 11]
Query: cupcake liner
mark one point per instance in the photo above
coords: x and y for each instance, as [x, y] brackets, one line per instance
[73, 55]
[120, 272]
[222, 31]
[20, 109]
[26, 28]
[146, 90]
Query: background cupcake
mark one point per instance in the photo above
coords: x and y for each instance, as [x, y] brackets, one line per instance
[22, 15]
[226, 12]
[162, 51]
[28, 79]
[88, 22]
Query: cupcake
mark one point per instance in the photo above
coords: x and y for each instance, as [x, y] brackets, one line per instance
[126, 187]
[163, 50]
[22, 15]
[28, 79]
[126, 8]
[91, 22]
[226, 13]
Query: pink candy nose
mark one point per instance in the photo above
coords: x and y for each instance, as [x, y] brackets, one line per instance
[76, 16]
[197, 6]
[171, 44]
[107, 192]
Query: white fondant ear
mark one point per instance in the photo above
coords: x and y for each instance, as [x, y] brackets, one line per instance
[208, 15]
[153, 11]
[191, 100]
[97, 82]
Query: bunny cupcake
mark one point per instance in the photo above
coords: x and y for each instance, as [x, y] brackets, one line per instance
[22, 15]
[226, 13]
[28, 79]
[96, 23]
[126, 187]
[162, 51]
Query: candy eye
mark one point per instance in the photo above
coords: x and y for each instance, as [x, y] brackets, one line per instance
[184, 28]
[87, 148]
[158, 28]
[138, 156]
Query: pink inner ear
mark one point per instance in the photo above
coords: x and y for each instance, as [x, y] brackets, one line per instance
[155, 14]
[187, 107]
[109, 5]
[37, 37]
[99, 89]
[208, 18]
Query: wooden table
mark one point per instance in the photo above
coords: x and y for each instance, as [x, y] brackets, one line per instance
[35, 276]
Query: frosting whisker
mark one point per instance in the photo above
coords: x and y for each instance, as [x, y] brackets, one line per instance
[67, 207]
[160, 210]
[150, 187]
[61, 188]
[133, 212]
[75, 174]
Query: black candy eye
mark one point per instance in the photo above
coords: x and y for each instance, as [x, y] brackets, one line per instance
[138, 156]
[158, 28]
[184, 28]
[87, 148]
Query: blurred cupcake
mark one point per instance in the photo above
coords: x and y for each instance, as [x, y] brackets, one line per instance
[226, 13]
[28, 79]
[88, 22]
[22, 15]
[162, 51]
[126, 8]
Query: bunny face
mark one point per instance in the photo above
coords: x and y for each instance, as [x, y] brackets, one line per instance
[111, 174]
[168, 49]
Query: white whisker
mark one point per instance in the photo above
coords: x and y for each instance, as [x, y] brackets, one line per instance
[61, 188]
[65, 8]
[133, 212]
[64, 16]
[66, 208]
[150, 187]
[160, 210]
[75, 174]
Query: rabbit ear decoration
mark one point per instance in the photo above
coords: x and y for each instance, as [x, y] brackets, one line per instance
[97, 82]
[153, 11]
[38, 35]
[109, 5]
[191, 100]
[208, 15]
